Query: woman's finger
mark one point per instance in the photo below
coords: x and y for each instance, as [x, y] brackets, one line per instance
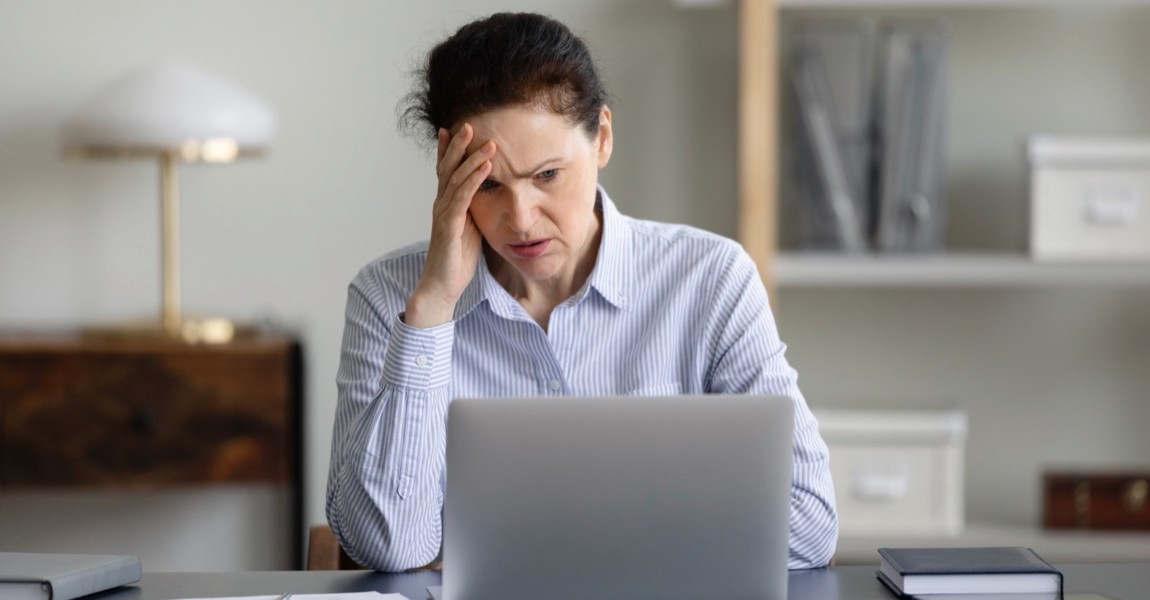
[455, 151]
[460, 201]
[453, 155]
[442, 138]
[470, 164]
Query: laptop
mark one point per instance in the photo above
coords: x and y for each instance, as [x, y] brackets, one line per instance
[617, 497]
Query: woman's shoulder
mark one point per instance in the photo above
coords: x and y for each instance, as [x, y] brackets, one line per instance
[678, 238]
[400, 267]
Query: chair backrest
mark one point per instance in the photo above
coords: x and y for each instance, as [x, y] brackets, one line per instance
[324, 552]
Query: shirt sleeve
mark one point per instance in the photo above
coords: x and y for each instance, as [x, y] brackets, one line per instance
[749, 358]
[384, 492]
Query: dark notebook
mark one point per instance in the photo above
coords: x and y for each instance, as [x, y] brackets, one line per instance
[30, 576]
[1009, 570]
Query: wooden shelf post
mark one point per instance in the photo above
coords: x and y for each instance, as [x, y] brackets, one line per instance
[758, 158]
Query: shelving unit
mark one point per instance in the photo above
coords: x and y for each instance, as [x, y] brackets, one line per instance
[946, 3]
[758, 174]
[950, 270]
[827, 277]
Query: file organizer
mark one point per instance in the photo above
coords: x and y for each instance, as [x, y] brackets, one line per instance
[910, 122]
[830, 74]
[868, 134]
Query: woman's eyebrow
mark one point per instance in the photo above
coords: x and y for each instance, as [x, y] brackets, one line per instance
[535, 169]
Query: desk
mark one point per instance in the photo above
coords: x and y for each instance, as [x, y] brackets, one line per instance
[1120, 581]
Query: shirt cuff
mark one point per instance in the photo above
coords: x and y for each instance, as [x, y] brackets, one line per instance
[419, 358]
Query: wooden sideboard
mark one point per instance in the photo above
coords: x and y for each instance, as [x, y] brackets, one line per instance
[132, 412]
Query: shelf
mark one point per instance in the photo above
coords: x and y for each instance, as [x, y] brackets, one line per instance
[1004, 270]
[785, 4]
[1054, 546]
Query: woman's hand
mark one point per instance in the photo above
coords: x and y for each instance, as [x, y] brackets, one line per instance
[456, 244]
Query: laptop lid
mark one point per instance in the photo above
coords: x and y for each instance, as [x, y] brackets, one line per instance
[617, 497]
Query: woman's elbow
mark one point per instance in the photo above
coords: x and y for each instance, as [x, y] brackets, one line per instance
[377, 544]
[391, 559]
[815, 546]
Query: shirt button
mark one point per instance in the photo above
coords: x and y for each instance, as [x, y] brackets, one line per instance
[554, 385]
[421, 360]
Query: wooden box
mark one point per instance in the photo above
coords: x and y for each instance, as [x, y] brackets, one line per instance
[1078, 500]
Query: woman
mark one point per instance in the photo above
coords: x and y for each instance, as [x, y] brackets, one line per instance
[533, 284]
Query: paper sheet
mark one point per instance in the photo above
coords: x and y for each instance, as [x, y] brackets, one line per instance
[339, 596]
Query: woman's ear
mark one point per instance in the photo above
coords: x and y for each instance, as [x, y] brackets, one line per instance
[604, 137]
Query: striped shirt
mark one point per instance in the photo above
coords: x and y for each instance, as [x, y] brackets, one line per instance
[667, 309]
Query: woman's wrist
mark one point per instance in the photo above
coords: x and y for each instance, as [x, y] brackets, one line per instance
[424, 310]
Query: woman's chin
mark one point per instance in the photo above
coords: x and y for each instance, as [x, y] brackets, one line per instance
[536, 269]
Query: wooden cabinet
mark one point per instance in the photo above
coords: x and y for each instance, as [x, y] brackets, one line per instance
[76, 411]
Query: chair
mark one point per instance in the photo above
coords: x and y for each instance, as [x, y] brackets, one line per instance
[324, 552]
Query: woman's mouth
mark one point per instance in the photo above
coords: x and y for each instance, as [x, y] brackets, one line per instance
[530, 249]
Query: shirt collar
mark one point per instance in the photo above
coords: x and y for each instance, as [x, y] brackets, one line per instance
[613, 274]
[611, 278]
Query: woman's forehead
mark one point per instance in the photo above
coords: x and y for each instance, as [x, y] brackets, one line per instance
[512, 113]
[524, 132]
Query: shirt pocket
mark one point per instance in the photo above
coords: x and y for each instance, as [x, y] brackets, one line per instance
[670, 388]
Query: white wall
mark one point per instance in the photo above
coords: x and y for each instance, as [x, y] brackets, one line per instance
[280, 238]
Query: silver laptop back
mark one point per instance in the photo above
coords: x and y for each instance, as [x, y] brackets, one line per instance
[617, 497]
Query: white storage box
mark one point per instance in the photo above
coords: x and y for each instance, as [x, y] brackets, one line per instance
[1088, 198]
[896, 472]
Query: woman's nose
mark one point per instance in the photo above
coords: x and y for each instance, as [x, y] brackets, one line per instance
[522, 213]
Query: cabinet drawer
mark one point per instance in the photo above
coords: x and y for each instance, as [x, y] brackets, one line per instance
[147, 416]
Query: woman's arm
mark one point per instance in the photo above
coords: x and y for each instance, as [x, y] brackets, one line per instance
[385, 484]
[384, 493]
[749, 358]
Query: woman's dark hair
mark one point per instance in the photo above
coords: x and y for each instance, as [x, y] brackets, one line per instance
[504, 60]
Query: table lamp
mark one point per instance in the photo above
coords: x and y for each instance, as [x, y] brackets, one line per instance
[173, 112]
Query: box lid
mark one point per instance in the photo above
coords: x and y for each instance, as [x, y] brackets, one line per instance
[1096, 151]
[881, 426]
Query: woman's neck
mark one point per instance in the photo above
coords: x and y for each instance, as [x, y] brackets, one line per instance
[540, 297]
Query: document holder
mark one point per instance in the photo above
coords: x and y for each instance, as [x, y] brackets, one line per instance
[830, 74]
[910, 124]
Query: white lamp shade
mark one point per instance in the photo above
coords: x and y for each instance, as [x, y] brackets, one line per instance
[168, 106]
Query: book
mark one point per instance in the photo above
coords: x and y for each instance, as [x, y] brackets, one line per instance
[1000, 570]
[33, 576]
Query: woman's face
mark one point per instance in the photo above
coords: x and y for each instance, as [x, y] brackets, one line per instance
[536, 208]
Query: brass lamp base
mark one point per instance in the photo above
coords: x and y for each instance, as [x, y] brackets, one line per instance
[212, 330]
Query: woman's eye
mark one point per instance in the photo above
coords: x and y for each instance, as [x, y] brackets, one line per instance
[548, 174]
[488, 185]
